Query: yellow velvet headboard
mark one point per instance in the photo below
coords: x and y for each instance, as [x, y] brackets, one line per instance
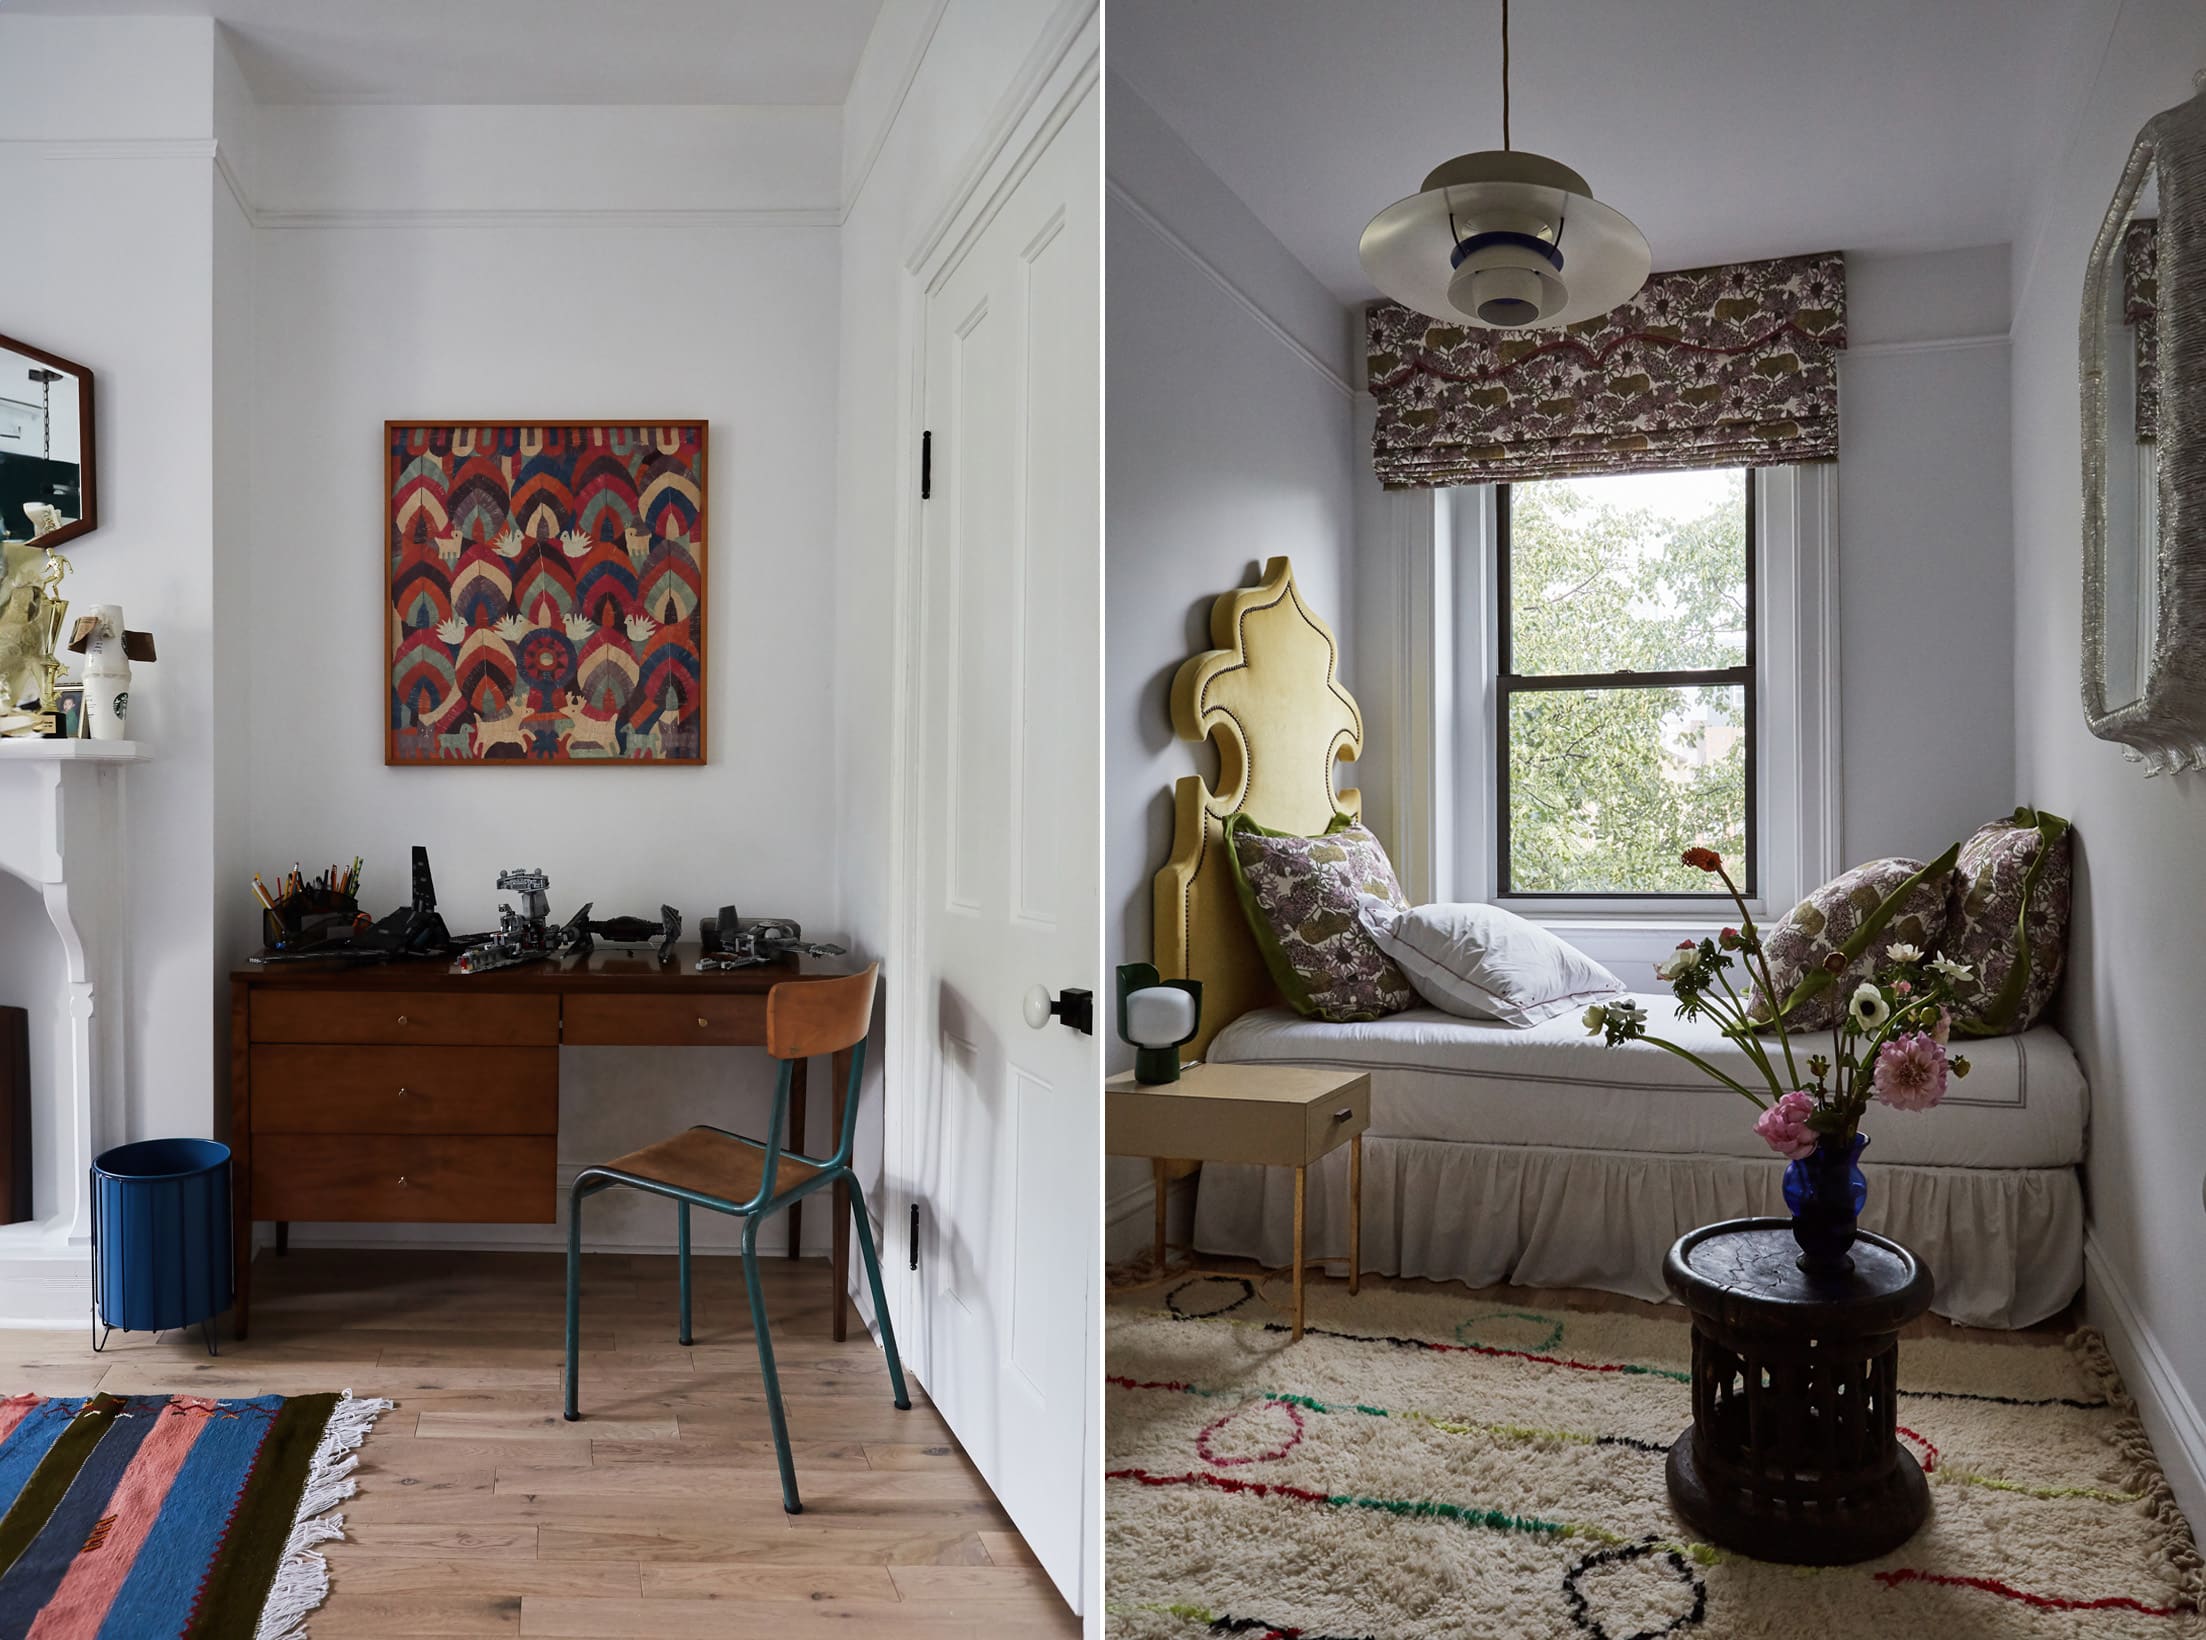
[1270, 694]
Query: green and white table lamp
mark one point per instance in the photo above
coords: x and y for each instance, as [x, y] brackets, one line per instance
[1157, 1016]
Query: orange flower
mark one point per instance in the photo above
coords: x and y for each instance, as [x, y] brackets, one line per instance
[1704, 859]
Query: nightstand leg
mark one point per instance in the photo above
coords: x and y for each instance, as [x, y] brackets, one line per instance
[1301, 1180]
[1156, 1175]
[1355, 1213]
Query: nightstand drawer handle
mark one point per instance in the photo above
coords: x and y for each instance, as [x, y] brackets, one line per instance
[402, 1019]
[402, 1093]
[402, 1180]
[703, 1024]
[1345, 1111]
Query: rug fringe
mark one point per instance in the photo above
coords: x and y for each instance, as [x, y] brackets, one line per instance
[302, 1576]
[2177, 1547]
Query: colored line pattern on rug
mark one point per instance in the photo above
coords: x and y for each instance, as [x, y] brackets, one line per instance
[171, 1514]
[1325, 1488]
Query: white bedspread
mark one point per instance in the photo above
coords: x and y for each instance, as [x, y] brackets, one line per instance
[1542, 1158]
[1435, 1076]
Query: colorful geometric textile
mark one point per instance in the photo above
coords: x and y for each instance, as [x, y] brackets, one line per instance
[1429, 1466]
[547, 592]
[131, 1516]
[1709, 367]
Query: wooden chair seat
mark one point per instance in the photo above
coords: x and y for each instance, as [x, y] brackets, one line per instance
[712, 1164]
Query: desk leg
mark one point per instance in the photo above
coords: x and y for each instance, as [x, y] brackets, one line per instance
[794, 1212]
[1355, 1213]
[1301, 1180]
[1157, 1179]
[838, 1265]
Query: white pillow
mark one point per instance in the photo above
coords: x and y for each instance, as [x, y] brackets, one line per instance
[1481, 962]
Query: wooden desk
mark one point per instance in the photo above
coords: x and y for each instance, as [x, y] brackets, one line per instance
[405, 1093]
[1278, 1115]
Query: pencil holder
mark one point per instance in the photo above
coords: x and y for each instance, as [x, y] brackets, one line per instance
[307, 915]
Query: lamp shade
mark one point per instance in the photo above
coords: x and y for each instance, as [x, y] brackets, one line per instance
[1162, 1016]
[1505, 240]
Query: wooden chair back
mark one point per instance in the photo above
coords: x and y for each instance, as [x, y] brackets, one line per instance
[818, 1016]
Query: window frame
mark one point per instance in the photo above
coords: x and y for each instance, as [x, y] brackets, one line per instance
[1507, 683]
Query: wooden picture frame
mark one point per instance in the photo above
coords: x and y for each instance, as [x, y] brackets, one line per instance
[545, 592]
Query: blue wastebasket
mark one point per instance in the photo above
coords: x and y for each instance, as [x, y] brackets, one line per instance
[161, 1236]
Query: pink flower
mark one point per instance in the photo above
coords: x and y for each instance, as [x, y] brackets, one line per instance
[1911, 1072]
[1785, 1125]
[1941, 1032]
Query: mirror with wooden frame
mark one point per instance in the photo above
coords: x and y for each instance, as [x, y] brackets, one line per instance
[48, 485]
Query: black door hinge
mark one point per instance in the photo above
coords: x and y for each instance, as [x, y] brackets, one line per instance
[926, 471]
[915, 1236]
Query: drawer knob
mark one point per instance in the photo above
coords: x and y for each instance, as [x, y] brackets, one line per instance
[1345, 1111]
[402, 1093]
[402, 1019]
[402, 1180]
[703, 1024]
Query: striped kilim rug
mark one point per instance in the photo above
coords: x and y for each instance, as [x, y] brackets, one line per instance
[134, 1516]
[1422, 1465]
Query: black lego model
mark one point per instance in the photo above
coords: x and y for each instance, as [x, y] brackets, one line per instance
[527, 934]
[731, 941]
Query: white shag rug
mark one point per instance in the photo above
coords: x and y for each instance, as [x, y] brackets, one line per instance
[1425, 1465]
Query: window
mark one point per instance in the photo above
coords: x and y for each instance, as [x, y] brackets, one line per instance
[1625, 699]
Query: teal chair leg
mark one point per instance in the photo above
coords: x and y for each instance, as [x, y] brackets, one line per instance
[780, 1422]
[574, 1297]
[681, 1244]
[880, 1299]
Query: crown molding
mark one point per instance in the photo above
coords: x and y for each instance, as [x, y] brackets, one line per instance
[1217, 276]
[1928, 344]
[857, 184]
[95, 148]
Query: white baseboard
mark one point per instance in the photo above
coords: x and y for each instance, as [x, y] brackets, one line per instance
[2164, 1406]
[1129, 1222]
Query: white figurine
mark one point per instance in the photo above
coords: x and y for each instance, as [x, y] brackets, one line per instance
[108, 649]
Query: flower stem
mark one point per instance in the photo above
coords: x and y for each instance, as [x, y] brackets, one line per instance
[1693, 1058]
[1769, 984]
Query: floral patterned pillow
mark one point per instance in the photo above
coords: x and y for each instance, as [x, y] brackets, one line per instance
[1300, 896]
[2007, 917]
[1856, 915]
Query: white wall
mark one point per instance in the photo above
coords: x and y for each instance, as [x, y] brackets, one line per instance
[1923, 549]
[727, 312]
[1229, 441]
[109, 135]
[2137, 945]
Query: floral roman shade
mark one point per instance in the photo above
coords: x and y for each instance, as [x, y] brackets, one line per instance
[1709, 367]
[2141, 312]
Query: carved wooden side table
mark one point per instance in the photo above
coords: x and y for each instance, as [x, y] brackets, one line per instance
[1794, 1453]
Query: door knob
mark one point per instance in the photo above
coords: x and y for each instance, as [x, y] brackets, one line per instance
[1074, 1007]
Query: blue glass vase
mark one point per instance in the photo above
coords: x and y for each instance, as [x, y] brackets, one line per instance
[1825, 1191]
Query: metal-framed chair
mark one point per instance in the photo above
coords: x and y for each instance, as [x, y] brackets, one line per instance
[727, 1172]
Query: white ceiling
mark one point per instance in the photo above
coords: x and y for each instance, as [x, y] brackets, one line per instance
[529, 51]
[1726, 129]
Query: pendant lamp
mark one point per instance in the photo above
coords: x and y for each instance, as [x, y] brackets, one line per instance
[1505, 240]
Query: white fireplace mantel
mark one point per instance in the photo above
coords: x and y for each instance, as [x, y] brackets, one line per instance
[61, 831]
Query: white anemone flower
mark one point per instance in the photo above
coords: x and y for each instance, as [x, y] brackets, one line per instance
[1677, 964]
[1902, 952]
[1627, 1013]
[1596, 1017]
[1868, 1007]
[1953, 973]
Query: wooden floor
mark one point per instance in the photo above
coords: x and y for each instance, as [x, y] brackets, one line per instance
[481, 1511]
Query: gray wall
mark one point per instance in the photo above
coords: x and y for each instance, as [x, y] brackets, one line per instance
[2138, 942]
[1229, 441]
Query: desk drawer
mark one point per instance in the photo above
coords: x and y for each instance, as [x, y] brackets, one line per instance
[665, 1021]
[425, 1017]
[311, 1088]
[405, 1178]
[1333, 1122]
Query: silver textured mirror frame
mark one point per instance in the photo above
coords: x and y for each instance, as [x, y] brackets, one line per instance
[2164, 726]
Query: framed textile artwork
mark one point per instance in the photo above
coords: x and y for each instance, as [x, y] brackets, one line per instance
[545, 592]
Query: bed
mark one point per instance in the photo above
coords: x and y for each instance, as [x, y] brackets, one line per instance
[1539, 1157]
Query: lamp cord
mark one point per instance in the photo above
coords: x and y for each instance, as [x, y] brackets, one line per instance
[1505, 75]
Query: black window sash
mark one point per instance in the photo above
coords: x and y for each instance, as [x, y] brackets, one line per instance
[1509, 683]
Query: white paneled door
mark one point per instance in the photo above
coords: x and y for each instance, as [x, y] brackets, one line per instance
[1008, 882]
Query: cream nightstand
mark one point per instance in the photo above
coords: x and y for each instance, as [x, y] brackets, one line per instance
[1277, 1115]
